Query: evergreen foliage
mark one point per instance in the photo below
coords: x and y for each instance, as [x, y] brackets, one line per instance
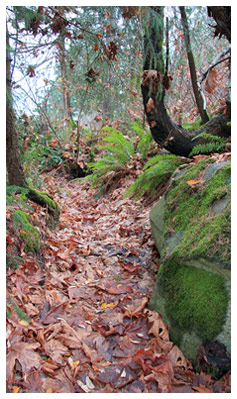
[156, 170]
[118, 152]
[20, 312]
[213, 144]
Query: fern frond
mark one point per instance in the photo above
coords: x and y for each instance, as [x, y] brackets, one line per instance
[156, 170]
[213, 144]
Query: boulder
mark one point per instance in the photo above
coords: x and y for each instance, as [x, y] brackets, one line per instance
[191, 229]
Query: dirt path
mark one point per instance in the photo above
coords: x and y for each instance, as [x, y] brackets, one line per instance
[90, 329]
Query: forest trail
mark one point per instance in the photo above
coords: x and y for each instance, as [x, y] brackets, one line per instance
[90, 328]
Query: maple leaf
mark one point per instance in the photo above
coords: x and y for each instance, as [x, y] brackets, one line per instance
[26, 355]
[177, 358]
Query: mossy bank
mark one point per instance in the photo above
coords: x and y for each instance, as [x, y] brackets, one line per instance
[191, 227]
[29, 234]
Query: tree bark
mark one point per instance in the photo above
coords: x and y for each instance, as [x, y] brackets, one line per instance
[16, 175]
[222, 16]
[165, 132]
[192, 68]
[14, 168]
[66, 95]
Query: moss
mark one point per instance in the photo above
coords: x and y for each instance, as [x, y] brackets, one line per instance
[192, 125]
[189, 210]
[196, 300]
[45, 199]
[28, 234]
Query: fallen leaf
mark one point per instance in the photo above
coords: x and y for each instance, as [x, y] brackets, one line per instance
[23, 322]
[193, 182]
[26, 355]
[55, 350]
[107, 305]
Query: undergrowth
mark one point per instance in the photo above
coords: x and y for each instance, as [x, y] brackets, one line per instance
[118, 153]
[212, 144]
[156, 170]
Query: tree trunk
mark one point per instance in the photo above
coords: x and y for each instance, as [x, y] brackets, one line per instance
[14, 168]
[164, 131]
[66, 95]
[222, 16]
[192, 68]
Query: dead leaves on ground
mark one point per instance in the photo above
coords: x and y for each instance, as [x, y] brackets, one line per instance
[84, 325]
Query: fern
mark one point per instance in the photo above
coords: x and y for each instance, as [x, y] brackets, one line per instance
[118, 151]
[156, 170]
[213, 144]
[20, 313]
[122, 148]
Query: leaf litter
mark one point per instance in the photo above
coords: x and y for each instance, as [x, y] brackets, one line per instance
[87, 325]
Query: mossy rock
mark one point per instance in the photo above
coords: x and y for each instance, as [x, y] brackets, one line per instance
[191, 228]
[29, 234]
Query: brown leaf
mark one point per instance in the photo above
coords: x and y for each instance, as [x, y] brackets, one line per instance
[27, 356]
[129, 266]
[153, 124]
[55, 350]
[72, 65]
[129, 12]
[26, 142]
[117, 289]
[136, 306]
[150, 105]
[31, 71]
[211, 81]
[193, 182]
[107, 13]
[158, 328]
[49, 367]
[177, 357]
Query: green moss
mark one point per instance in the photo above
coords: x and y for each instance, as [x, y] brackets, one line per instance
[196, 300]
[192, 125]
[46, 200]
[189, 210]
[29, 235]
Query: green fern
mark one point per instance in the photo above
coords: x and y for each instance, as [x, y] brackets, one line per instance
[118, 151]
[156, 170]
[120, 147]
[213, 144]
[20, 313]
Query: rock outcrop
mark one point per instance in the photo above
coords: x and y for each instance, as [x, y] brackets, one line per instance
[191, 228]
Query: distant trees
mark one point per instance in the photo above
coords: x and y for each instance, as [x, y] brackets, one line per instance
[96, 58]
[165, 132]
[15, 171]
[196, 90]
